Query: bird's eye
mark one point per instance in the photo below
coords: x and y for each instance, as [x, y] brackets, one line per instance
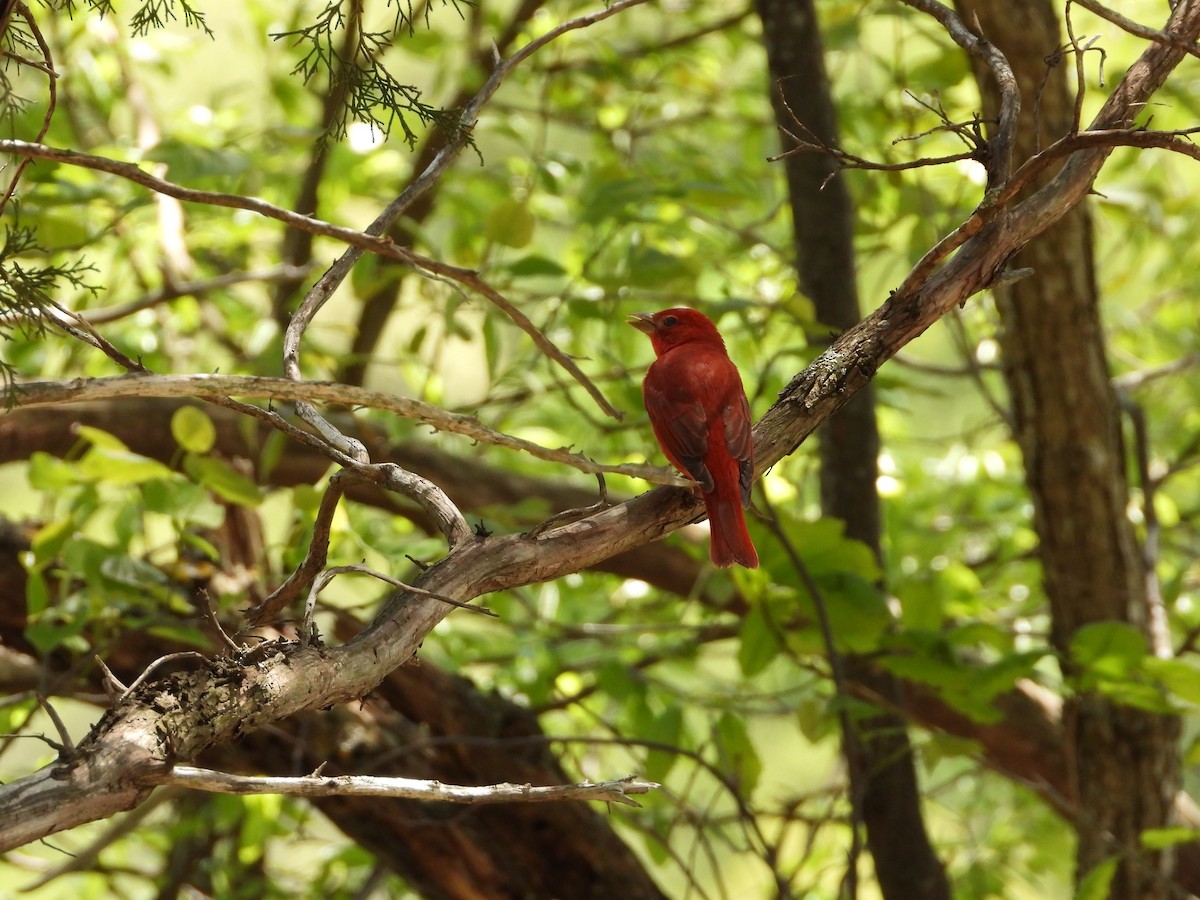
[670, 320]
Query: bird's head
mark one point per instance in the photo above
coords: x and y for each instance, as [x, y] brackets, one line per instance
[669, 328]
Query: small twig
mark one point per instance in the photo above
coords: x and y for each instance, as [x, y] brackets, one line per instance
[82, 330]
[1000, 147]
[67, 749]
[209, 610]
[315, 557]
[113, 686]
[571, 515]
[47, 68]
[1134, 380]
[1080, 81]
[323, 579]
[409, 788]
[159, 663]
[812, 143]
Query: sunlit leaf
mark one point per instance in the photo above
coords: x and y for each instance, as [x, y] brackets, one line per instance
[193, 430]
[223, 480]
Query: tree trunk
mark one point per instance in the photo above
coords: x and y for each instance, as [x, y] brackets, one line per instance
[883, 777]
[1125, 760]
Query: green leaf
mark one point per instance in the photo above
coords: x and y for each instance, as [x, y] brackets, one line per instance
[824, 547]
[223, 480]
[47, 543]
[737, 753]
[652, 266]
[132, 572]
[189, 162]
[37, 594]
[1179, 676]
[1095, 884]
[50, 474]
[758, 642]
[1108, 649]
[183, 501]
[528, 266]
[510, 224]
[193, 430]
[1162, 838]
[98, 438]
[117, 466]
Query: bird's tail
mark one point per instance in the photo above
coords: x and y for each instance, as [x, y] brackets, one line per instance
[730, 541]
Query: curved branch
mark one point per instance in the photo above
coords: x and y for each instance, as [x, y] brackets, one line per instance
[999, 162]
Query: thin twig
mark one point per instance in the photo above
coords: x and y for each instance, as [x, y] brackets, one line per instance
[209, 609]
[67, 749]
[76, 325]
[158, 664]
[113, 686]
[315, 557]
[47, 67]
[322, 581]
[1138, 29]
[1000, 147]
[571, 515]
[410, 788]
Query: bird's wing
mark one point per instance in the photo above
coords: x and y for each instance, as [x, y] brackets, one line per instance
[680, 424]
[739, 440]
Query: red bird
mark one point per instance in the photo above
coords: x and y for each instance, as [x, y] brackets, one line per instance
[700, 416]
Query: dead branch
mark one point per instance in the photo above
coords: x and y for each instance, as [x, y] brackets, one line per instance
[317, 785]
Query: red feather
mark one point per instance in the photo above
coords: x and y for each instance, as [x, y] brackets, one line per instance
[699, 413]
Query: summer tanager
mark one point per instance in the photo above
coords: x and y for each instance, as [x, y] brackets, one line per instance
[700, 416]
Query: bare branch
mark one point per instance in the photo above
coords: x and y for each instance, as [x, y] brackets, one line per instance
[318, 550]
[1000, 147]
[408, 788]
[1135, 28]
[216, 387]
[46, 66]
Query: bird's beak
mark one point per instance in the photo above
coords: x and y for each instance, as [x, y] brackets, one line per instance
[642, 322]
